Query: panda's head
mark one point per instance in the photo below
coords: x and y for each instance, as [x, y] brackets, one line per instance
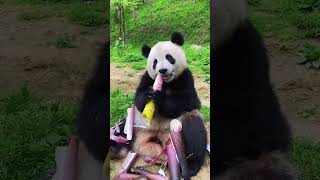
[166, 57]
[226, 17]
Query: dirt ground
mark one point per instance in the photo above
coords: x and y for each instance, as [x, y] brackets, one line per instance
[298, 90]
[28, 55]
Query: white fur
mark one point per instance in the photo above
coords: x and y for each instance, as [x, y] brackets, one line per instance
[159, 52]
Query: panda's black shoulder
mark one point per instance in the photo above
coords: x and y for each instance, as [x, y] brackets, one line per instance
[91, 122]
[184, 81]
[247, 116]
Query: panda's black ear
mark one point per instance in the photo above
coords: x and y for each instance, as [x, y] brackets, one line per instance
[145, 50]
[177, 38]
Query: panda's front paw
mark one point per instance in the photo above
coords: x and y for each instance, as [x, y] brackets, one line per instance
[158, 96]
[150, 93]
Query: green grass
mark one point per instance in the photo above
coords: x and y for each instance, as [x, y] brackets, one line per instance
[130, 74]
[120, 102]
[311, 57]
[30, 130]
[65, 41]
[32, 15]
[90, 13]
[87, 13]
[287, 20]
[306, 157]
[154, 21]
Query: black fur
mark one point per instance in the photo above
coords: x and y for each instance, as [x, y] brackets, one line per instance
[92, 120]
[181, 96]
[170, 59]
[271, 166]
[195, 140]
[145, 50]
[155, 64]
[177, 38]
[247, 120]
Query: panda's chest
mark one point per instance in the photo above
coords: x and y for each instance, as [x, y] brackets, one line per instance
[167, 89]
[167, 92]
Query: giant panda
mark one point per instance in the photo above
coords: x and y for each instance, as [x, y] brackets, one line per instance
[92, 120]
[251, 137]
[177, 100]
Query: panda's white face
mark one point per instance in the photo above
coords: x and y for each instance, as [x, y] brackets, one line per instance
[166, 58]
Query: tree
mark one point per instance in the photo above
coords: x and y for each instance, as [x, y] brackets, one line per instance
[121, 7]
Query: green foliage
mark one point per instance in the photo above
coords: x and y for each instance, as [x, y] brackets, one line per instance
[282, 17]
[33, 15]
[30, 130]
[127, 4]
[130, 74]
[65, 41]
[306, 157]
[205, 110]
[89, 13]
[311, 56]
[119, 103]
[93, 13]
[199, 61]
[154, 21]
[307, 112]
[307, 5]
[254, 2]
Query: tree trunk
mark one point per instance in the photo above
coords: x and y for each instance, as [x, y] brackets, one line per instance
[119, 15]
[122, 31]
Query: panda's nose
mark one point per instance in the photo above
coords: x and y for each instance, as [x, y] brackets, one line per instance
[162, 71]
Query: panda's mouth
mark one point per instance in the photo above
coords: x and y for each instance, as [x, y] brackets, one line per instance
[167, 77]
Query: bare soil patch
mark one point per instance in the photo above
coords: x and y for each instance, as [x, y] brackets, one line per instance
[298, 90]
[28, 55]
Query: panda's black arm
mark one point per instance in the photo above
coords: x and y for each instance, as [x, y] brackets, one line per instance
[144, 92]
[92, 120]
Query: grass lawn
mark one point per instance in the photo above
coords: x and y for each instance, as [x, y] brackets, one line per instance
[86, 13]
[153, 21]
[31, 128]
[287, 20]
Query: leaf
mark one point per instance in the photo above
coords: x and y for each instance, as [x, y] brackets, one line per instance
[308, 65]
[302, 61]
[316, 64]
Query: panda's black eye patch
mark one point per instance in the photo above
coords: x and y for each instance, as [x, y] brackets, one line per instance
[155, 63]
[170, 59]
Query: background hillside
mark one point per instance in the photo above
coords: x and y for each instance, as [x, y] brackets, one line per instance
[154, 21]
